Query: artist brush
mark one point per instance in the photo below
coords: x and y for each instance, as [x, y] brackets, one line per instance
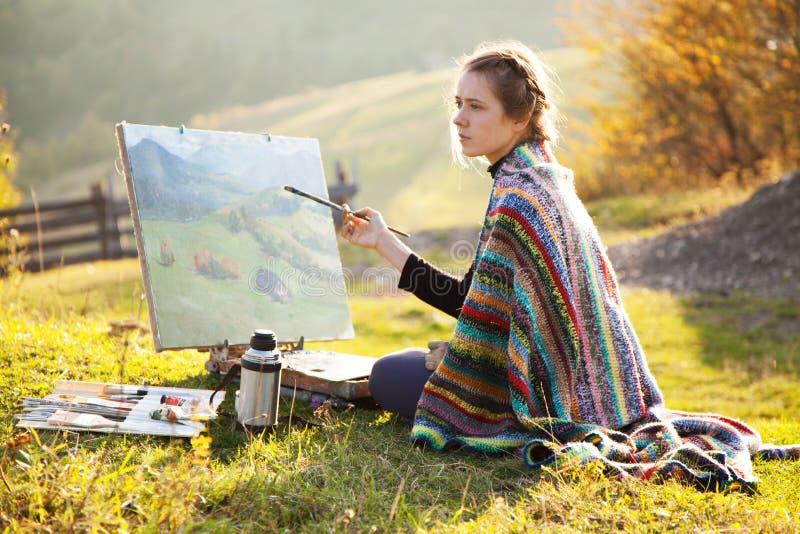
[78, 409]
[337, 207]
[110, 401]
[29, 404]
[67, 420]
[32, 416]
[37, 414]
[124, 390]
[132, 399]
[44, 415]
[78, 401]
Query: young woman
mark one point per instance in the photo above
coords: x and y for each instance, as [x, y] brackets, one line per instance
[544, 359]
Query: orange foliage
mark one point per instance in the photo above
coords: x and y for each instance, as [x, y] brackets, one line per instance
[9, 196]
[706, 91]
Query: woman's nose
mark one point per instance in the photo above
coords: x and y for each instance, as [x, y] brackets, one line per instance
[458, 119]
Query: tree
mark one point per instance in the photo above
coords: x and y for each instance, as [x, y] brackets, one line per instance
[707, 91]
[9, 196]
[11, 251]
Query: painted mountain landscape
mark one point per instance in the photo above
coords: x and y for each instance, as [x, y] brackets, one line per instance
[224, 248]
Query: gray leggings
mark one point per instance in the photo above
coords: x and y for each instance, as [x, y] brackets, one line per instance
[397, 380]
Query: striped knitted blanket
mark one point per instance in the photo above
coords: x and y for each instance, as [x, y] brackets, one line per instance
[544, 359]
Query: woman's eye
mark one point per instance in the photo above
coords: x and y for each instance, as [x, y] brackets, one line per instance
[474, 106]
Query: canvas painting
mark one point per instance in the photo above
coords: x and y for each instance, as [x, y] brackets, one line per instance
[224, 249]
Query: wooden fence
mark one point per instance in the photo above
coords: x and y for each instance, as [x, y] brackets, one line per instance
[97, 227]
[54, 233]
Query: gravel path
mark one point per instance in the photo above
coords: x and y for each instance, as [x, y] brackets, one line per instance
[754, 247]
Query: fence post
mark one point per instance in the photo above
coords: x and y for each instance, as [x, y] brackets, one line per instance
[99, 202]
[38, 229]
[114, 241]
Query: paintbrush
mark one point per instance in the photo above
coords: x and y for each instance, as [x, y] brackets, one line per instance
[32, 405]
[337, 207]
[101, 400]
[44, 412]
[65, 418]
[114, 389]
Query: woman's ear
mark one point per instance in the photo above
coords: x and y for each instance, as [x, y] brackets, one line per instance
[521, 125]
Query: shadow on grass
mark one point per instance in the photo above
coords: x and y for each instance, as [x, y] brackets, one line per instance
[752, 333]
[295, 414]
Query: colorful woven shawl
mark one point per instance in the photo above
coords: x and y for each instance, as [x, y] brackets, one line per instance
[545, 361]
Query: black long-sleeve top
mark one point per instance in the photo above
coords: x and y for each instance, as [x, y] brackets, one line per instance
[431, 285]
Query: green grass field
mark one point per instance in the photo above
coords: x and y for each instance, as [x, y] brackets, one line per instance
[355, 470]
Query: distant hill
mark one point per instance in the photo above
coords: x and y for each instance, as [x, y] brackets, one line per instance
[71, 70]
[392, 134]
[162, 62]
[174, 188]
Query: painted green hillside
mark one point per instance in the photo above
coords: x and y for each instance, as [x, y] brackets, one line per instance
[220, 275]
[392, 132]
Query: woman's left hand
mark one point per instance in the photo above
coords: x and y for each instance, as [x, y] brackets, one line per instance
[435, 355]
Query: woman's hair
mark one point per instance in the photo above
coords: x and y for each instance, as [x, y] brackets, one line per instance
[521, 82]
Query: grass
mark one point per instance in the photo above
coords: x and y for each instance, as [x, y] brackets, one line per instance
[644, 215]
[355, 470]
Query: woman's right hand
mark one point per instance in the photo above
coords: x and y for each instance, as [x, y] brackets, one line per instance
[374, 234]
[360, 232]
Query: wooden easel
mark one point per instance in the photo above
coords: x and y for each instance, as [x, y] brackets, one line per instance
[332, 373]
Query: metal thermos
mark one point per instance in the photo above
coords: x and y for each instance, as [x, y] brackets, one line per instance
[260, 385]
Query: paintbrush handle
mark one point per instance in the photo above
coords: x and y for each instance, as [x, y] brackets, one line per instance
[395, 230]
[338, 207]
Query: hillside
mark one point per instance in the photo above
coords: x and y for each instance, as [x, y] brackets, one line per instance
[392, 132]
[153, 62]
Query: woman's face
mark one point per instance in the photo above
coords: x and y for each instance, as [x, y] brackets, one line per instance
[483, 127]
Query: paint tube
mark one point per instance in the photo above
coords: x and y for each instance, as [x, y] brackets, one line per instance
[175, 400]
[175, 408]
[169, 413]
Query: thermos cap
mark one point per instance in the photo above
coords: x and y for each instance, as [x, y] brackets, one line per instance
[262, 356]
[263, 340]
